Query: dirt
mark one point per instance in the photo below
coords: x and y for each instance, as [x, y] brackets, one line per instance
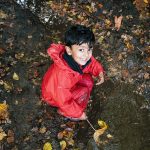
[122, 101]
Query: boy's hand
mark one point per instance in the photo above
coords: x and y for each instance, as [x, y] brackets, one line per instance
[83, 116]
[100, 79]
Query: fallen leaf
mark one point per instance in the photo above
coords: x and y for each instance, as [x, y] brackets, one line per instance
[99, 132]
[29, 36]
[102, 124]
[148, 59]
[60, 135]
[1, 51]
[3, 15]
[146, 1]
[100, 5]
[63, 145]
[109, 136]
[44, 55]
[146, 76]
[42, 130]
[3, 111]
[47, 146]
[2, 134]
[130, 46]
[118, 21]
[125, 73]
[3, 107]
[15, 76]
[100, 39]
[19, 55]
[10, 139]
[8, 86]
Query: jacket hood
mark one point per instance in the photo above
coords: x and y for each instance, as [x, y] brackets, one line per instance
[56, 51]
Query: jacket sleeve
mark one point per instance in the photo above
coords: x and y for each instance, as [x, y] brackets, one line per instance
[95, 67]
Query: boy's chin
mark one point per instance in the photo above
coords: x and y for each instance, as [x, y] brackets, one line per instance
[82, 64]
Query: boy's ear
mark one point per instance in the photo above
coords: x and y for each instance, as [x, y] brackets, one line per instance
[68, 50]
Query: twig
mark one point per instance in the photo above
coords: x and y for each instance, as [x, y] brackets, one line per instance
[91, 125]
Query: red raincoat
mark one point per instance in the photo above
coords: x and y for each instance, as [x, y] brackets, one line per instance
[65, 88]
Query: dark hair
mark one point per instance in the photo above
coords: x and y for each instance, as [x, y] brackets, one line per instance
[79, 34]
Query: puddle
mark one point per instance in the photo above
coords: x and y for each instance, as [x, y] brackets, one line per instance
[126, 113]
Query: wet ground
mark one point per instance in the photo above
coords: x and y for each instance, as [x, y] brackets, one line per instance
[122, 101]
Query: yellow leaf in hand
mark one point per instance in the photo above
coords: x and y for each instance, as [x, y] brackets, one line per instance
[63, 145]
[47, 146]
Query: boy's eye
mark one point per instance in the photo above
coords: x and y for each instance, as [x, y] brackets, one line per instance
[90, 49]
[81, 50]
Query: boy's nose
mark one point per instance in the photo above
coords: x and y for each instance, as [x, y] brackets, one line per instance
[86, 54]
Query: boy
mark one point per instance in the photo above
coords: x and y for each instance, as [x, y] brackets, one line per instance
[68, 82]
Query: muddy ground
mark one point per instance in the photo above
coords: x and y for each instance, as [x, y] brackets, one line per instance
[122, 101]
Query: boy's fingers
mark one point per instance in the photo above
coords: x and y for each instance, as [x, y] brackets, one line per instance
[98, 83]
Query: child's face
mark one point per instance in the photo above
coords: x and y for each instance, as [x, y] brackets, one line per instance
[80, 53]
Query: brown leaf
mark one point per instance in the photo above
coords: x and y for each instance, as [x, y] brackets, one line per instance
[146, 75]
[42, 130]
[1, 51]
[125, 73]
[60, 135]
[148, 59]
[10, 139]
[118, 21]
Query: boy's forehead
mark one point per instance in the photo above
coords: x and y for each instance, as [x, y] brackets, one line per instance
[83, 45]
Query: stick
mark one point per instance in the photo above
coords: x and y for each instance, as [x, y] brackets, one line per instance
[91, 125]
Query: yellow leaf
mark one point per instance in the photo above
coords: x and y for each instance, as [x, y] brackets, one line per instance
[99, 132]
[15, 76]
[2, 134]
[146, 1]
[47, 146]
[19, 55]
[102, 124]
[3, 107]
[100, 40]
[3, 15]
[96, 135]
[109, 136]
[70, 142]
[3, 111]
[8, 86]
[42, 130]
[63, 145]
[107, 22]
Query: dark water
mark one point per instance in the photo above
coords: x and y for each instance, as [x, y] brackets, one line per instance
[126, 113]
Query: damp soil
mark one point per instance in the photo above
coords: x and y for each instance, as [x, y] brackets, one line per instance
[24, 41]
